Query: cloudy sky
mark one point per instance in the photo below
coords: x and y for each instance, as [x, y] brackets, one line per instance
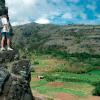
[54, 11]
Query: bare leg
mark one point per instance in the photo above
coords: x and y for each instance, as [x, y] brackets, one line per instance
[2, 42]
[8, 42]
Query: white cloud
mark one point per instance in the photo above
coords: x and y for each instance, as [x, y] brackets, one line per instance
[29, 2]
[67, 16]
[46, 11]
[91, 7]
[42, 21]
[21, 10]
[97, 15]
[73, 1]
[20, 22]
[83, 15]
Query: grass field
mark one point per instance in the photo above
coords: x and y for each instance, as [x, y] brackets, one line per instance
[60, 76]
[54, 87]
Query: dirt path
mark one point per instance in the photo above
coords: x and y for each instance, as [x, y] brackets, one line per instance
[92, 98]
[65, 96]
[35, 79]
[55, 84]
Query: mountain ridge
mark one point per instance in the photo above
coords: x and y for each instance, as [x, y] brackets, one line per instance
[68, 38]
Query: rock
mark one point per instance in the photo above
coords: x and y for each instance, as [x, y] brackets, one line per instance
[15, 79]
[8, 56]
[22, 68]
[4, 74]
[24, 57]
[20, 79]
[3, 9]
[40, 77]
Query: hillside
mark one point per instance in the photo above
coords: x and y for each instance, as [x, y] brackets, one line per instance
[69, 38]
[62, 78]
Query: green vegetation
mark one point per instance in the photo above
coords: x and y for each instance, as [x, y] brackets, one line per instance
[94, 72]
[72, 77]
[68, 87]
[96, 91]
[71, 63]
[47, 90]
[59, 69]
[68, 54]
[73, 39]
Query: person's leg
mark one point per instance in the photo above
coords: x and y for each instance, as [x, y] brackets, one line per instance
[9, 41]
[2, 42]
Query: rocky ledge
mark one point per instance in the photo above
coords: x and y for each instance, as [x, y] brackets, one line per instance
[15, 77]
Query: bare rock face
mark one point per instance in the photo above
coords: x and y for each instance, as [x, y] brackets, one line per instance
[3, 9]
[9, 56]
[15, 78]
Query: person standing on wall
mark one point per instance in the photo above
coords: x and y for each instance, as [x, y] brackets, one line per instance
[5, 33]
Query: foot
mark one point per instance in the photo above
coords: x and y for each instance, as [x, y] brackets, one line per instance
[2, 49]
[9, 49]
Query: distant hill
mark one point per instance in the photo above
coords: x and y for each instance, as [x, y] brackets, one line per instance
[69, 38]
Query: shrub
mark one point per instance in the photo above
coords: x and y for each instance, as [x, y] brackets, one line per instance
[97, 90]
[36, 62]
